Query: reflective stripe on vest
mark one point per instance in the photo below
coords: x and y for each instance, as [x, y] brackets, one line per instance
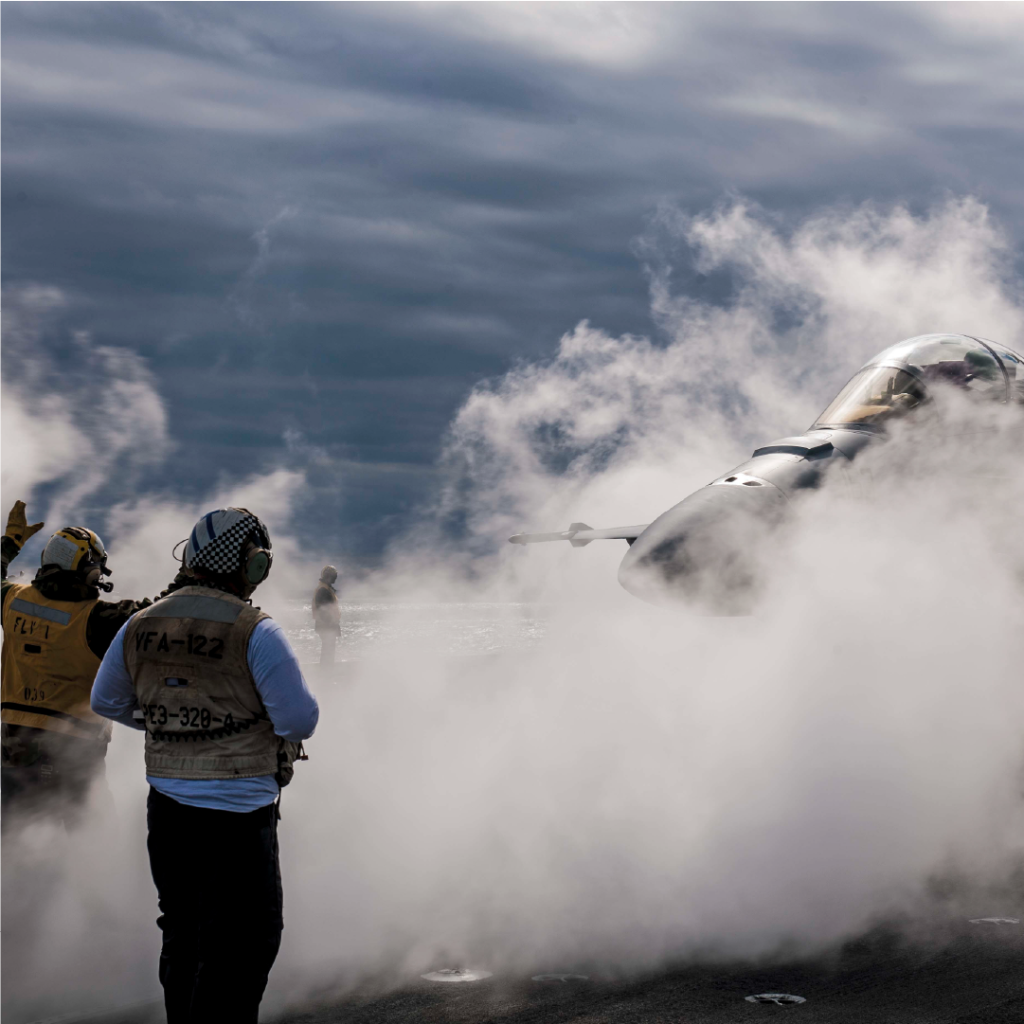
[48, 667]
[41, 611]
[187, 656]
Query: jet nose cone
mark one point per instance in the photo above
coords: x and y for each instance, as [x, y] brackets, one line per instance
[707, 550]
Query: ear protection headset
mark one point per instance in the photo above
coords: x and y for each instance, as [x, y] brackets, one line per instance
[257, 563]
[256, 556]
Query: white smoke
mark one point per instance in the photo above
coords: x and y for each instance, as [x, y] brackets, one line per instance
[76, 419]
[610, 419]
[646, 785]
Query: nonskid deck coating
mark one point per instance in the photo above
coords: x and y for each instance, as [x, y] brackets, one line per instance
[973, 978]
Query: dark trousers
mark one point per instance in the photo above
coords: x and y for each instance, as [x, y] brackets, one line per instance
[218, 879]
[45, 774]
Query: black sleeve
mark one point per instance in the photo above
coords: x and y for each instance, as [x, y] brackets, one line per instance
[324, 596]
[8, 553]
[106, 619]
[109, 616]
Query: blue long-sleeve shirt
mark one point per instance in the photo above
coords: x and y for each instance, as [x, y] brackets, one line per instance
[292, 709]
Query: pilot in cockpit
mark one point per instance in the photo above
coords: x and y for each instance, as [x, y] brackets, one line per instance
[885, 392]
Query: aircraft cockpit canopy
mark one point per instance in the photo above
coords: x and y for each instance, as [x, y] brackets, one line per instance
[900, 378]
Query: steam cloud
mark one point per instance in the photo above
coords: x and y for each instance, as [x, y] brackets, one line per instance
[647, 785]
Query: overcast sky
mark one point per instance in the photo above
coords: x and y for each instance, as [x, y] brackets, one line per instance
[320, 224]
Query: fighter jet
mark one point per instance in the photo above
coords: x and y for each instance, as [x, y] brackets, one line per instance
[702, 550]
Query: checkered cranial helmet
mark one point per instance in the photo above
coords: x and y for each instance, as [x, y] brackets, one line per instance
[218, 540]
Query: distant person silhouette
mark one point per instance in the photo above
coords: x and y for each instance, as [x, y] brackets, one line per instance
[327, 614]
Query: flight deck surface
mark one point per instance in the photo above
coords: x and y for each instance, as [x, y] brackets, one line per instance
[975, 975]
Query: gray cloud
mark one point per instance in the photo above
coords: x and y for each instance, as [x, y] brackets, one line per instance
[464, 184]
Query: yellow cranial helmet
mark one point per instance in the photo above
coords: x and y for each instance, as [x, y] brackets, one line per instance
[76, 549]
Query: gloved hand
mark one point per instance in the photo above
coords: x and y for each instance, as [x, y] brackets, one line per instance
[18, 528]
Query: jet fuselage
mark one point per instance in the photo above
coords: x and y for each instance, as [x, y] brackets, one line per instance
[705, 549]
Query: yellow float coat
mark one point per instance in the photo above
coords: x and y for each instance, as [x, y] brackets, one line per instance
[48, 667]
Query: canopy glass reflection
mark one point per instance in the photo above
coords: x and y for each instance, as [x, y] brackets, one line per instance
[900, 378]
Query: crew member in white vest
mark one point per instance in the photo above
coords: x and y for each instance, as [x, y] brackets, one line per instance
[218, 690]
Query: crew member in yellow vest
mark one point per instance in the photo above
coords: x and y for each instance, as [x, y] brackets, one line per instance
[56, 630]
[219, 692]
[327, 614]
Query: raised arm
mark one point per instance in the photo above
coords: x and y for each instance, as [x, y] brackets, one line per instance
[18, 531]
